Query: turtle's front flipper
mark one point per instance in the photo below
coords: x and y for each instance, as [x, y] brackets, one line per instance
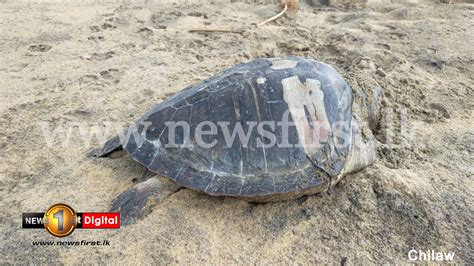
[137, 202]
[110, 146]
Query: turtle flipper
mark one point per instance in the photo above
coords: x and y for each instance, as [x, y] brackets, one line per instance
[110, 146]
[137, 202]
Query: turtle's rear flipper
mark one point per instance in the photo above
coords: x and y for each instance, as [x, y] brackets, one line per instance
[110, 146]
[138, 201]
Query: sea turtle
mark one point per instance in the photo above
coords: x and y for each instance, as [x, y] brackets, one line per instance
[267, 130]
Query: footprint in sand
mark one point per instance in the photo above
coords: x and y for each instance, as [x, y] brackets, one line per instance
[39, 47]
[98, 56]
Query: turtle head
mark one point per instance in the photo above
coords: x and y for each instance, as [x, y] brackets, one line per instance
[364, 124]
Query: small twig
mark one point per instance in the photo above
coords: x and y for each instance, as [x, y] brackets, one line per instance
[274, 17]
[215, 30]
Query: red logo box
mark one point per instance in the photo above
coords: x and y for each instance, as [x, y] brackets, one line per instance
[100, 220]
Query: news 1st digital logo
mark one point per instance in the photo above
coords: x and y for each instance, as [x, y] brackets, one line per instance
[61, 220]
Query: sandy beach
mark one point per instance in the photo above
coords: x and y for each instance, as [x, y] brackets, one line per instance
[84, 65]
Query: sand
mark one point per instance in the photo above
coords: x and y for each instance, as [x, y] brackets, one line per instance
[91, 64]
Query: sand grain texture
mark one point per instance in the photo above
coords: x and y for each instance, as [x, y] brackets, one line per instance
[65, 63]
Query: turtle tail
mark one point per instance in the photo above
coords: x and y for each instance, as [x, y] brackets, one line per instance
[110, 146]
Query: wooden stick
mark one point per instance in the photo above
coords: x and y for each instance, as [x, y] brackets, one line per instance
[215, 30]
[274, 17]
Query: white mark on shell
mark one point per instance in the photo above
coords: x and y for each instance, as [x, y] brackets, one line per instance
[312, 130]
[283, 64]
[261, 80]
